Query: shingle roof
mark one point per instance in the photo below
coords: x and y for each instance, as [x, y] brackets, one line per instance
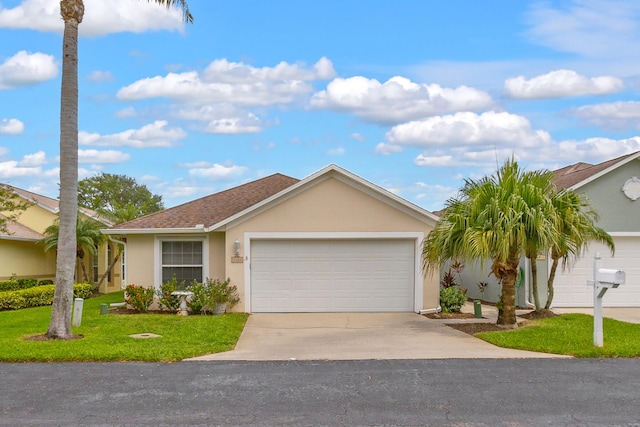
[571, 175]
[47, 202]
[212, 209]
[17, 231]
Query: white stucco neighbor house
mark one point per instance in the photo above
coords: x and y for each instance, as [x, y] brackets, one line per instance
[331, 242]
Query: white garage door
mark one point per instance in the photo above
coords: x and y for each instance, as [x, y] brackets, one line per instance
[570, 286]
[332, 275]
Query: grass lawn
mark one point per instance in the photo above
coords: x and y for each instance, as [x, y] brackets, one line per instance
[571, 334]
[106, 337]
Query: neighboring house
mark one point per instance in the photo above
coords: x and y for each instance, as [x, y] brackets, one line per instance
[22, 256]
[613, 189]
[331, 242]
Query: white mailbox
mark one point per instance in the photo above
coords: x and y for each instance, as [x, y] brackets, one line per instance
[610, 277]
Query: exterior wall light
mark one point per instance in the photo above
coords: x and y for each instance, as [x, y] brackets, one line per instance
[236, 247]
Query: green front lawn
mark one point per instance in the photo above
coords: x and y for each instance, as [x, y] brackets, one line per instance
[106, 337]
[571, 334]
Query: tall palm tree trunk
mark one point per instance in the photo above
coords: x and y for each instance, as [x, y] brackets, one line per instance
[72, 12]
[552, 277]
[534, 282]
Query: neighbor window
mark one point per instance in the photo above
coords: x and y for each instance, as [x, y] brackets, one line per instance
[183, 259]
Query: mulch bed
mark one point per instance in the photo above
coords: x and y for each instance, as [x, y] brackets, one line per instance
[473, 328]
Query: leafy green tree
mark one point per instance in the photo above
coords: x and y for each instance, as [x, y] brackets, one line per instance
[88, 239]
[576, 220]
[10, 206]
[494, 218]
[118, 197]
[72, 12]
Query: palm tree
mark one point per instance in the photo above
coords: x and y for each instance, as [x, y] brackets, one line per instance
[88, 239]
[542, 226]
[72, 12]
[577, 224]
[495, 218]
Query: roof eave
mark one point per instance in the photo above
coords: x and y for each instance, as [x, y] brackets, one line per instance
[604, 171]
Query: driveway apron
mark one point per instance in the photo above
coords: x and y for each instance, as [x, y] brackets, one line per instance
[358, 336]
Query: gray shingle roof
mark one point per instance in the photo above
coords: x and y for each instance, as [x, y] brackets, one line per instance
[571, 175]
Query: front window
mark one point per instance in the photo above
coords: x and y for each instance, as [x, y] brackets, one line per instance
[183, 259]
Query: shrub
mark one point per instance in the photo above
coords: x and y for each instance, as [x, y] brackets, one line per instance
[210, 293]
[38, 296]
[45, 282]
[451, 299]
[139, 297]
[27, 283]
[9, 285]
[165, 299]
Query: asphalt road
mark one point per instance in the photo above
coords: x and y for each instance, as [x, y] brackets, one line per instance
[461, 392]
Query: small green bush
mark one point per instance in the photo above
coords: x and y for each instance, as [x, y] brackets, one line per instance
[45, 282]
[165, 299]
[38, 296]
[451, 299]
[139, 297]
[211, 293]
[27, 283]
[9, 285]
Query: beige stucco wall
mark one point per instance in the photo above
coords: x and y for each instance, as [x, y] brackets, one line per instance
[25, 259]
[140, 260]
[330, 206]
[36, 218]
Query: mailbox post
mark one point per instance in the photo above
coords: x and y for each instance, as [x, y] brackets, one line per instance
[603, 279]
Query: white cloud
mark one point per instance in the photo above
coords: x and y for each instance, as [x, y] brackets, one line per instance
[99, 157]
[98, 76]
[234, 83]
[396, 100]
[11, 127]
[424, 160]
[595, 150]
[24, 69]
[29, 165]
[222, 119]
[559, 84]
[156, 134]
[338, 151]
[215, 172]
[100, 18]
[469, 129]
[358, 136]
[386, 149]
[223, 71]
[591, 28]
[617, 115]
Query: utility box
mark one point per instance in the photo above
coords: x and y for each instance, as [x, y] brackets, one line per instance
[610, 278]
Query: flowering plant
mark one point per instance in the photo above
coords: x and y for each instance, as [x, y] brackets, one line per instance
[165, 299]
[139, 297]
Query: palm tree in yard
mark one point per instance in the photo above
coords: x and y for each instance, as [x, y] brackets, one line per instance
[496, 218]
[577, 223]
[88, 239]
[72, 12]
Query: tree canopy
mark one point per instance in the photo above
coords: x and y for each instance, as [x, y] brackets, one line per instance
[119, 197]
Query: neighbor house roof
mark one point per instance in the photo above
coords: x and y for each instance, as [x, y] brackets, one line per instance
[212, 209]
[17, 231]
[578, 174]
[53, 205]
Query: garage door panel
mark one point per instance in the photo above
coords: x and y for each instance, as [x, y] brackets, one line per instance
[570, 285]
[332, 275]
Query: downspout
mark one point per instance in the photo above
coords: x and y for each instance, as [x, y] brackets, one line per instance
[438, 309]
[124, 252]
[527, 291]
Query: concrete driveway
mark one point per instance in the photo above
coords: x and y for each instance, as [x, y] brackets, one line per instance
[358, 336]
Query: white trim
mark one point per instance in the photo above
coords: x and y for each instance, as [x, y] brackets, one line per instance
[624, 233]
[191, 230]
[157, 255]
[417, 237]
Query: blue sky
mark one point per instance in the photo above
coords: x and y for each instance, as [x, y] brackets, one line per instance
[413, 96]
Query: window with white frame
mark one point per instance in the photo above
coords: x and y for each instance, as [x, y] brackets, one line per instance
[184, 259]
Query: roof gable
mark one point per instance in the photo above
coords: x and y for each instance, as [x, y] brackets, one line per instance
[579, 174]
[17, 231]
[216, 211]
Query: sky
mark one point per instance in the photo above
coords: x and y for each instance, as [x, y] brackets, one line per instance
[414, 96]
